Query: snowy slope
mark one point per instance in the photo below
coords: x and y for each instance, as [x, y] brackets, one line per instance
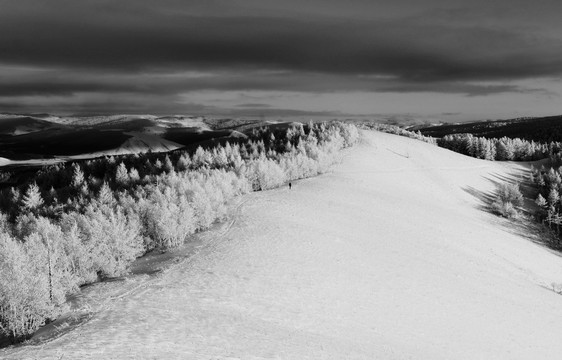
[15, 125]
[388, 257]
[139, 142]
[96, 120]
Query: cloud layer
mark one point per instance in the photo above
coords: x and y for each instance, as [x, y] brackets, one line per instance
[165, 48]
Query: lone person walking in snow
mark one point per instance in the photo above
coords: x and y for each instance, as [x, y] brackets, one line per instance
[289, 186]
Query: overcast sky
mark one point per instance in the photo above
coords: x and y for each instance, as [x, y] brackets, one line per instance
[430, 59]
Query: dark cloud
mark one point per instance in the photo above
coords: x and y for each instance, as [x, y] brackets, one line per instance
[117, 103]
[273, 113]
[152, 40]
[64, 47]
[465, 88]
[254, 106]
[55, 83]
[52, 88]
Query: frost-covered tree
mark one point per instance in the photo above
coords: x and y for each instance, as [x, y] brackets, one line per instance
[167, 219]
[220, 159]
[121, 174]
[553, 197]
[183, 162]
[77, 176]
[168, 166]
[541, 201]
[24, 301]
[201, 157]
[15, 195]
[105, 195]
[115, 236]
[268, 174]
[32, 199]
[48, 257]
[134, 175]
[508, 196]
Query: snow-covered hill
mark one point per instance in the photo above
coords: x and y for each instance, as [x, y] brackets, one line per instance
[14, 125]
[42, 138]
[138, 143]
[387, 257]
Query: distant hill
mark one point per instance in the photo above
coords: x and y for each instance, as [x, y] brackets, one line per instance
[14, 125]
[45, 137]
[543, 129]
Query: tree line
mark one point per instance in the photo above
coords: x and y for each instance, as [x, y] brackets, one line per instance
[397, 130]
[499, 149]
[549, 185]
[547, 181]
[80, 222]
[508, 197]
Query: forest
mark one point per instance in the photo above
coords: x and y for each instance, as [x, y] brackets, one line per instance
[541, 129]
[500, 149]
[75, 223]
[546, 180]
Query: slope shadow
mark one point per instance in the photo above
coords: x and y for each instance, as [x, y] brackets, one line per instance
[525, 225]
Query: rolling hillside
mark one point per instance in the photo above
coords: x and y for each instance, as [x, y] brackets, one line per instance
[390, 256]
[543, 129]
[42, 138]
[21, 125]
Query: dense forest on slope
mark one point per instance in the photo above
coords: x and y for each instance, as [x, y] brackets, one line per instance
[25, 137]
[546, 181]
[501, 149]
[548, 184]
[542, 129]
[79, 222]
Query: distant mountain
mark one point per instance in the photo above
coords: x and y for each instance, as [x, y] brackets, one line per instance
[43, 138]
[544, 129]
[14, 125]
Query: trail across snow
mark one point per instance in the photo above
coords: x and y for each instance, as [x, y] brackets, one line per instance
[387, 257]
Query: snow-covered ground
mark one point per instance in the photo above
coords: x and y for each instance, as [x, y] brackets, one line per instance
[139, 142]
[164, 121]
[95, 120]
[387, 257]
[30, 162]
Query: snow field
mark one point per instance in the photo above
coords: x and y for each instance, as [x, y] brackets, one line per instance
[387, 257]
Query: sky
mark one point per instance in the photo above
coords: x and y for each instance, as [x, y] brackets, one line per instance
[399, 60]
